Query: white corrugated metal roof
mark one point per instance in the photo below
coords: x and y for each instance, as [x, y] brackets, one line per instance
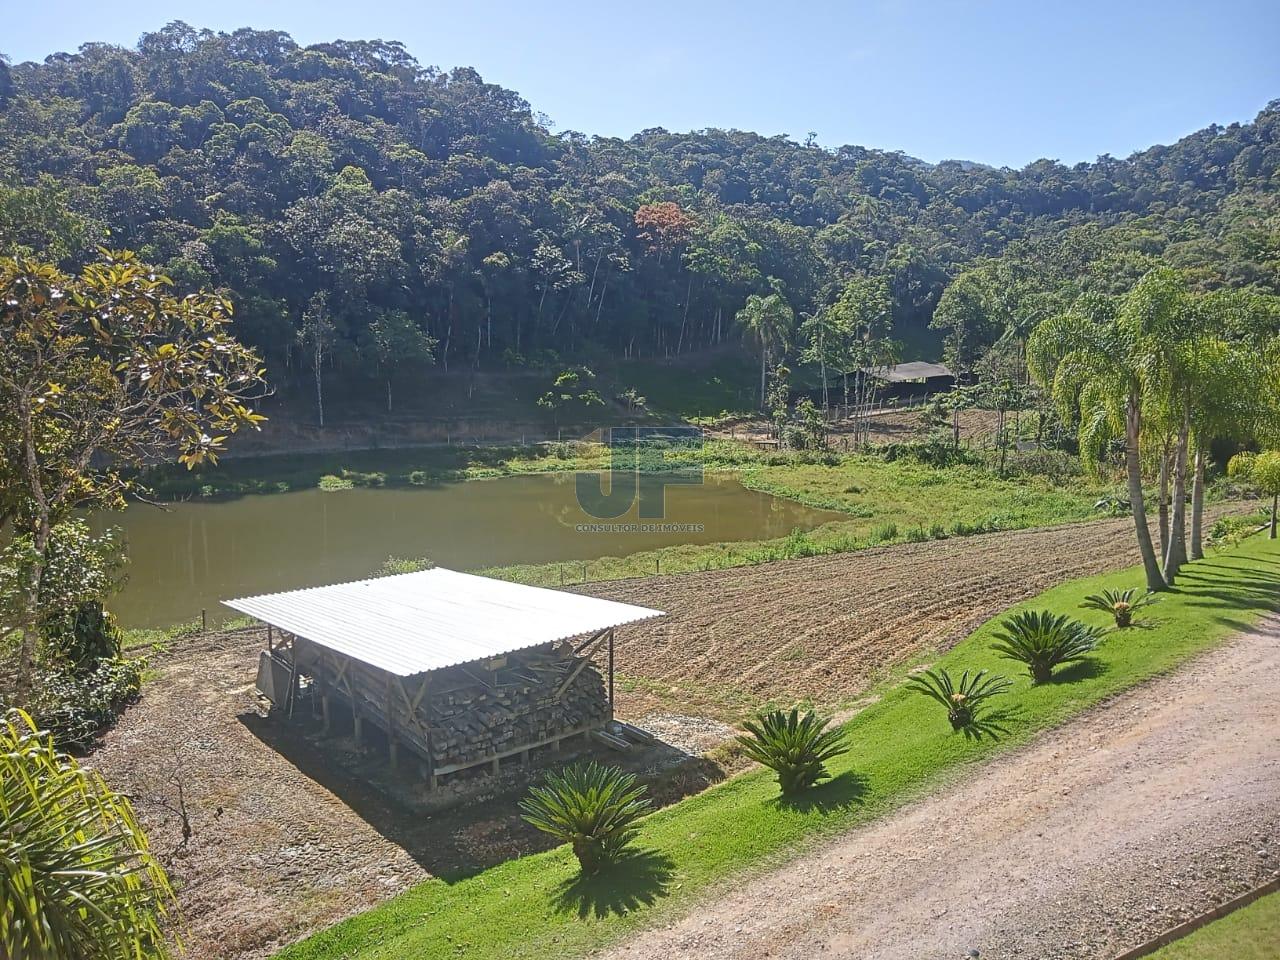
[912, 370]
[415, 622]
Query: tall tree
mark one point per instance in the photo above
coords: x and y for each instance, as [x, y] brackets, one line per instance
[100, 372]
[1091, 364]
[768, 320]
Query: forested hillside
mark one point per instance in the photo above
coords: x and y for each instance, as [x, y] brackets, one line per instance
[374, 216]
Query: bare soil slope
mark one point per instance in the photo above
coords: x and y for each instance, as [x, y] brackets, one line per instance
[1141, 813]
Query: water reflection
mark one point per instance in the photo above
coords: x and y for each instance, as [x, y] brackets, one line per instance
[188, 556]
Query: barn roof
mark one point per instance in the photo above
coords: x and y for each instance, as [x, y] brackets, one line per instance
[914, 370]
[416, 622]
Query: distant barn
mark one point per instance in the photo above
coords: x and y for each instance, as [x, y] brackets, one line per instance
[931, 376]
[460, 670]
[900, 382]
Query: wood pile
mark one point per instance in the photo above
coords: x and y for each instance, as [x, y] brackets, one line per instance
[472, 712]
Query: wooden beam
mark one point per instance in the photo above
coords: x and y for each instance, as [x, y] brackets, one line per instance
[611, 673]
[583, 660]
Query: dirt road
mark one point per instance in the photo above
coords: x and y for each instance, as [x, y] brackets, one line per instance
[1139, 814]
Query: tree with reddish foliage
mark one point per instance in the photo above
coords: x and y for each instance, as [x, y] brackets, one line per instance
[663, 227]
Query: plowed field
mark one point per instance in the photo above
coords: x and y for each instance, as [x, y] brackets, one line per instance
[824, 628]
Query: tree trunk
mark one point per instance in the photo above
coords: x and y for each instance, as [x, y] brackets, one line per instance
[30, 627]
[764, 359]
[1197, 507]
[1133, 466]
[1176, 555]
[1275, 501]
[1164, 500]
[319, 362]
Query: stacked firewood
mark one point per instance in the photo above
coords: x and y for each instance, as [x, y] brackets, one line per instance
[478, 720]
[470, 713]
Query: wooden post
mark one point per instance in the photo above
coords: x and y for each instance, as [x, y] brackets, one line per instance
[269, 646]
[611, 673]
[357, 722]
[390, 718]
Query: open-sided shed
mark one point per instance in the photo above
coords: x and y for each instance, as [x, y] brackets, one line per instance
[461, 670]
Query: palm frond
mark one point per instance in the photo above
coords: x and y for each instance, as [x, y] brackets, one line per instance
[1043, 640]
[796, 747]
[591, 806]
[964, 700]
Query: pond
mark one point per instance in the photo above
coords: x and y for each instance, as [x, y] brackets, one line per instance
[185, 557]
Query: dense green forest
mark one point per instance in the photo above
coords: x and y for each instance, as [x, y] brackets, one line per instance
[371, 216]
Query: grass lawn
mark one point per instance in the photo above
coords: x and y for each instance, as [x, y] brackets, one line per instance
[901, 746]
[1252, 933]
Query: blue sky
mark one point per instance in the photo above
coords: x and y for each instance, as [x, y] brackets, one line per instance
[998, 82]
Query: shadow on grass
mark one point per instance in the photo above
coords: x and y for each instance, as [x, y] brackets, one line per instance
[1090, 668]
[635, 881]
[839, 793]
[993, 725]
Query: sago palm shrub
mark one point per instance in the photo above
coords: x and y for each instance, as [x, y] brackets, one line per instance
[964, 700]
[1043, 640]
[1121, 604]
[592, 807]
[795, 747]
[76, 875]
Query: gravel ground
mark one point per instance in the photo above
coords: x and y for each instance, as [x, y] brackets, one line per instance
[1142, 813]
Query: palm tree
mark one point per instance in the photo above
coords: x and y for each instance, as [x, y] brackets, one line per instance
[767, 319]
[78, 878]
[1091, 363]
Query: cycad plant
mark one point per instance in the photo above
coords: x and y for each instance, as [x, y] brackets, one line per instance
[592, 807]
[963, 700]
[1121, 604]
[77, 877]
[1043, 640]
[795, 747]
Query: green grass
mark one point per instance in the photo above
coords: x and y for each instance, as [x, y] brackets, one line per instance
[1251, 933]
[901, 746]
[887, 502]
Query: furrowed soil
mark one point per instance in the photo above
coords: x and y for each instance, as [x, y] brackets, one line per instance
[287, 835]
[824, 629]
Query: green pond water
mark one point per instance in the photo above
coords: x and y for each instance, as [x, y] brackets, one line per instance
[186, 557]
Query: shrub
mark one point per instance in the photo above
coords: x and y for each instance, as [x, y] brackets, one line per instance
[75, 705]
[330, 482]
[78, 878]
[1229, 531]
[592, 807]
[793, 746]
[963, 700]
[84, 637]
[1043, 640]
[1119, 603]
